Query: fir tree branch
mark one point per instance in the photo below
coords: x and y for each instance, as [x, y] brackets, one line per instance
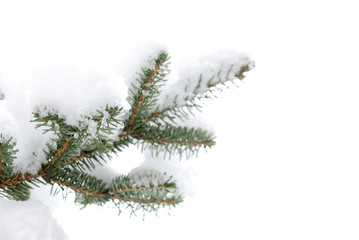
[76, 147]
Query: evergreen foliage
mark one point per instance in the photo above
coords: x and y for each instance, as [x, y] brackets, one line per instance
[75, 148]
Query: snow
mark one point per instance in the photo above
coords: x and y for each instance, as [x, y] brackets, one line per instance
[75, 90]
[7, 124]
[28, 220]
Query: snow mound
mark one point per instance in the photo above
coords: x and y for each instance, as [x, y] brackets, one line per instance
[28, 220]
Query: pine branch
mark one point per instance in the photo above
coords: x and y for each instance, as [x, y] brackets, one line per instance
[76, 147]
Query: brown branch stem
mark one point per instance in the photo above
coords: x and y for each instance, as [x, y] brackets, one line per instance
[60, 152]
[77, 189]
[170, 201]
[176, 142]
[137, 188]
[156, 115]
[17, 179]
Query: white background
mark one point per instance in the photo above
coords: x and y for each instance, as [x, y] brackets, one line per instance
[286, 161]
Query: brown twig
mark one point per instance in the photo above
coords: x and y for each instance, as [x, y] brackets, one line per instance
[156, 115]
[17, 179]
[176, 142]
[122, 190]
[78, 158]
[170, 201]
[60, 152]
[77, 189]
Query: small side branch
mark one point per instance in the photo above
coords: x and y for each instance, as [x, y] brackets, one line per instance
[142, 97]
[196, 94]
[172, 139]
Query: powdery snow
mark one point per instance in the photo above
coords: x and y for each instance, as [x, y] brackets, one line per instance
[28, 220]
